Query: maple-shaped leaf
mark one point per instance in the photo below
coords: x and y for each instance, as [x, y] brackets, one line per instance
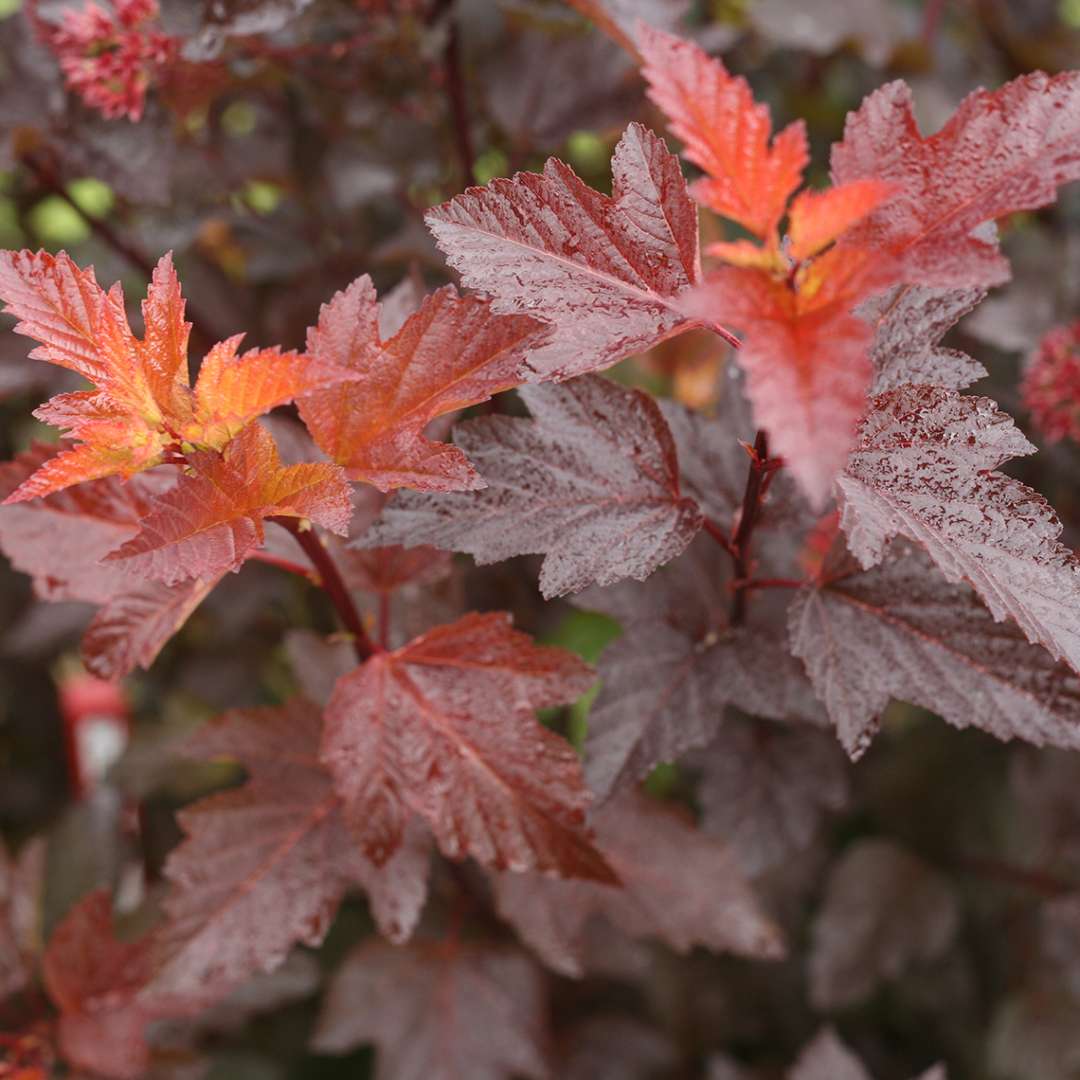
[677, 885]
[804, 353]
[826, 1057]
[948, 184]
[679, 664]
[748, 177]
[445, 727]
[591, 482]
[212, 520]
[884, 912]
[265, 866]
[94, 979]
[606, 272]
[924, 467]
[764, 788]
[909, 322]
[439, 1011]
[901, 630]
[142, 402]
[453, 352]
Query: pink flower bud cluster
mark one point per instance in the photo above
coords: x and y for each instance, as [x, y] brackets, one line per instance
[110, 58]
[1051, 383]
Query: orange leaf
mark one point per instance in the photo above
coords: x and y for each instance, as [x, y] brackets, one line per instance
[453, 352]
[725, 132]
[142, 402]
[819, 218]
[212, 520]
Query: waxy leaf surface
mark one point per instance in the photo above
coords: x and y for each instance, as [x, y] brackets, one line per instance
[211, 521]
[606, 272]
[453, 352]
[924, 467]
[591, 482]
[445, 728]
[1002, 151]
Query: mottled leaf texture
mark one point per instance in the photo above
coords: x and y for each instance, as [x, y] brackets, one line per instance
[827, 1058]
[439, 1011]
[804, 353]
[909, 322]
[93, 979]
[1002, 151]
[591, 482]
[445, 728]
[678, 665]
[60, 541]
[142, 401]
[604, 271]
[923, 467]
[900, 630]
[748, 178]
[764, 789]
[884, 912]
[453, 352]
[678, 885]
[210, 522]
[266, 865]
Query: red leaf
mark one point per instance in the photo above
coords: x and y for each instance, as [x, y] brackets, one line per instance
[725, 132]
[452, 353]
[678, 665]
[439, 1011]
[804, 354]
[908, 324]
[212, 521]
[591, 482]
[142, 402]
[902, 631]
[949, 184]
[678, 885]
[818, 218]
[924, 467]
[605, 271]
[265, 866]
[445, 728]
[93, 979]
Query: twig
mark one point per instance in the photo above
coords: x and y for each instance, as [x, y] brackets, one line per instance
[767, 583]
[333, 585]
[455, 89]
[1037, 880]
[756, 483]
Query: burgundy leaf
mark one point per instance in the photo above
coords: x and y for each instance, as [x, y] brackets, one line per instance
[265, 866]
[605, 271]
[909, 322]
[439, 1011]
[591, 482]
[21, 885]
[445, 728]
[884, 912]
[924, 467]
[764, 789]
[679, 664]
[902, 631]
[678, 885]
[949, 184]
[827, 1058]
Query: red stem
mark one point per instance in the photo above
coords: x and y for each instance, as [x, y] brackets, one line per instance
[455, 90]
[767, 583]
[333, 585]
[756, 482]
